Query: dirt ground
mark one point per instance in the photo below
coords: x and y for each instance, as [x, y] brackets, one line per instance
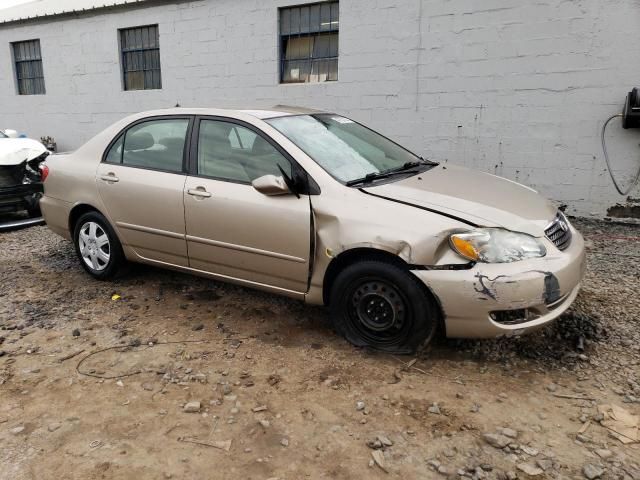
[94, 386]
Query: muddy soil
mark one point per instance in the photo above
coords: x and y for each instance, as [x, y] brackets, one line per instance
[163, 375]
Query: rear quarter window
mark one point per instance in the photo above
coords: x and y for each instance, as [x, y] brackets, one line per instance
[114, 155]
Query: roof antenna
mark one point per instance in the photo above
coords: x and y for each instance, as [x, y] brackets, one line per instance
[177, 104]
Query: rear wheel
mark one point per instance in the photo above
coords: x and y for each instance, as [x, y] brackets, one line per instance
[381, 305]
[97, 246]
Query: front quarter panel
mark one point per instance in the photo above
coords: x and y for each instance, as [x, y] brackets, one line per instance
[347, 218]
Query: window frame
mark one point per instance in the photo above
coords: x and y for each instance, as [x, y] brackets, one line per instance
[16, 62]
[123, 52]
[281, 43]
[298, 173]
[122, 134]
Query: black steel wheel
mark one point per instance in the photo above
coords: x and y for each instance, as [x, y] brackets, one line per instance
[382, 306]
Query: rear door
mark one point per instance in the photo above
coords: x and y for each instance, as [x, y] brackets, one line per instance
[232, 229]
[141, 182]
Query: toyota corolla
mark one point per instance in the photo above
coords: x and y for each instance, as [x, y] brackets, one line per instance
[318, 207]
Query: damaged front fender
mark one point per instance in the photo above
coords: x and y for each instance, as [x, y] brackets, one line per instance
[377, 224]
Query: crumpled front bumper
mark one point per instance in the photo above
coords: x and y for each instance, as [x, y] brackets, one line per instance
[486, 300]
[19, 197]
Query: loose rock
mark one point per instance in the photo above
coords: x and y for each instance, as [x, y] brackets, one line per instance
[192, 407]
[592, 472]
[529, 469]
[496, 440]
[17, 430]
[604, 453]
[54, 426]
[508, 432]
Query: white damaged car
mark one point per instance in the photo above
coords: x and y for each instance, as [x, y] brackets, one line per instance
[20, 175]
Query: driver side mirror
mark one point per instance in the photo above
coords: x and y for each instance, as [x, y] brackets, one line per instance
[271, 185]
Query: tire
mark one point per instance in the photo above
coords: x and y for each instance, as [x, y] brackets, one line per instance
[380, 305]
[100, 253]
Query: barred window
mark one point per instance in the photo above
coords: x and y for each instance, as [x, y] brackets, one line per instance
[140, 48]
[309, 43]
[29, 72]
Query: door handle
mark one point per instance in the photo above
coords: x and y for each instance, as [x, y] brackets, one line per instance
[199, 192]
[110, 177]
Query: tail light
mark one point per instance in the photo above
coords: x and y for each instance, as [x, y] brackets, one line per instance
[44, 172]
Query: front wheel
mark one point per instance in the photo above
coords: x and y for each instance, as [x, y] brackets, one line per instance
[97, 246]
[381, 305]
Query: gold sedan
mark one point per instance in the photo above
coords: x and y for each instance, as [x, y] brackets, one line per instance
[318, 207]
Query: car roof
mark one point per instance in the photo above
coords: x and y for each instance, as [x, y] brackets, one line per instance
[277, 111]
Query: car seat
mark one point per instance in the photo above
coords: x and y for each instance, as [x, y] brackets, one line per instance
[216, 156]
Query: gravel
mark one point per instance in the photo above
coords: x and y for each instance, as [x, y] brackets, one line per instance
[597, 341]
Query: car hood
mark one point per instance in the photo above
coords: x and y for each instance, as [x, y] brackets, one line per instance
[14, 151]
[480, 198]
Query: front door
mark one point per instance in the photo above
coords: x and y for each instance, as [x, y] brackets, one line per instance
[141, 183]
[233, 230]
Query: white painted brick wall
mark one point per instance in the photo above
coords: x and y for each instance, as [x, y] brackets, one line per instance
[505, 86]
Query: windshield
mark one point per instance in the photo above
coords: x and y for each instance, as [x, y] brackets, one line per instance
[2, 135]
[344, 148]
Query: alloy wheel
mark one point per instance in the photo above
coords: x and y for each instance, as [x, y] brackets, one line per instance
[94, 244]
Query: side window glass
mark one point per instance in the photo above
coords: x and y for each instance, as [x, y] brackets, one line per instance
[233, 152]
[241, 137]
[156, 144]
[115, 152]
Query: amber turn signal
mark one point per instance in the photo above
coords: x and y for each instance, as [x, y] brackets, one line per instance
[464, 248]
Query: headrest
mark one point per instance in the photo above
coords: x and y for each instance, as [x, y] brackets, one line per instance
[261, 146]
[138, 141]
[216, 132]
[172, 143]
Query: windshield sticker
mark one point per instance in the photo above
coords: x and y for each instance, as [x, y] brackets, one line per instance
[341, 120]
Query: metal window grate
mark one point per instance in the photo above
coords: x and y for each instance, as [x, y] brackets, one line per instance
[309, 43]
[29, 72]
[140, 48]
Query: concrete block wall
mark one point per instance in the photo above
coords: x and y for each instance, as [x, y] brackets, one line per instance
[515, 88]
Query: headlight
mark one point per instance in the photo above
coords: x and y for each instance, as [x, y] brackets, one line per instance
[496, 245]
